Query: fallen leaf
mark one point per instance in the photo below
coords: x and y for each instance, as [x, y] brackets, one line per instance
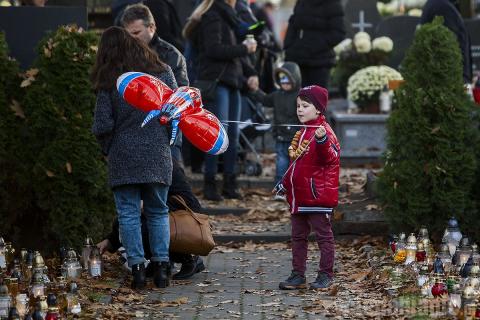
[69, 167]
[371, 207]
[25, 83]
[360, 276]
[17, 108]
[50, 173]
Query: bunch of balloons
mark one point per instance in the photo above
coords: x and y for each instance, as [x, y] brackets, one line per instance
[183, 108]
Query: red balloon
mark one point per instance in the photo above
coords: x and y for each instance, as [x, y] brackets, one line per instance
[143, 91]
[200, 127]
[204, 131]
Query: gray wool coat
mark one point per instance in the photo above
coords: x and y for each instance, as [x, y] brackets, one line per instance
[135, 154]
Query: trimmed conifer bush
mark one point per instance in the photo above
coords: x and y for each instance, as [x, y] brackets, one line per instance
[430, 163]
[14, 197]
[67, 172]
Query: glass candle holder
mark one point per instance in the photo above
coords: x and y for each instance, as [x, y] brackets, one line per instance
[5, 301]
[439, 288]
[22, 304]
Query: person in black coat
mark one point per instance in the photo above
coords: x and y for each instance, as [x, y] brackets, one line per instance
[212, 30]
[453, 21]
[315, 27]
[167, 21]
[179, 187]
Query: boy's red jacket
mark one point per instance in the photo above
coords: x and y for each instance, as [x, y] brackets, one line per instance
[311, 182]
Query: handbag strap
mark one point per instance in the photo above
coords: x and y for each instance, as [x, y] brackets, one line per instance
[181, 201]
[221, 73]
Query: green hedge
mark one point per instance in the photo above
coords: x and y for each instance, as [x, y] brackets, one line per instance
[430, 163]
[65, 170]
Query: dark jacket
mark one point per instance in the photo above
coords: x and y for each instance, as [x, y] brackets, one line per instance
[172, 57]
[180, 187]
[311, 182]
[216, 43]
[315, 27]
[453, 21]
[284, 103]
[135, 154]
[167, 21]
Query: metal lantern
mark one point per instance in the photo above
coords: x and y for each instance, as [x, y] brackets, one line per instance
[38, 286]
[452, 235]
[87, 249]
[411, 249]
[464, 251]
[5, 301]
[71, 265]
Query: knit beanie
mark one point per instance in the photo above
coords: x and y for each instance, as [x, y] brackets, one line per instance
[317, 95]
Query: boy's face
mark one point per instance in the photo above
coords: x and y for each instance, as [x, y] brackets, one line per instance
[286, 86]
[306, 111]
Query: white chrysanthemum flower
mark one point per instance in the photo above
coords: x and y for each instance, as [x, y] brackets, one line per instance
[382, 43]
[343, 46]
[363, 45]
[368, 82]
[415, 12]
[361, 35]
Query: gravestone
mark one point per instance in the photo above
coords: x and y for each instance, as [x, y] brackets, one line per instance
[362, 137]
[401, 30]
[24, 27]
[473, 28]
[361, 15]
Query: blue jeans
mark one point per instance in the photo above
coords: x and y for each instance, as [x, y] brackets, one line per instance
[282, 161]
[127, 201]
[226, 107]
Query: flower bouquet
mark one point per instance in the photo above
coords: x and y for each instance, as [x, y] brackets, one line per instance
[361, 52]
[365, 85]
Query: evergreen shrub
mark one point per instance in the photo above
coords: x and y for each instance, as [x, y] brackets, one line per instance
[14, 198]
[430, 163]
[67, 172]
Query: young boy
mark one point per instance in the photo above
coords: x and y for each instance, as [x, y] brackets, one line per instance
[288, 78]
[311, 187]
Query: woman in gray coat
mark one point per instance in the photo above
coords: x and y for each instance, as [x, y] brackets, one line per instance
[139, 159]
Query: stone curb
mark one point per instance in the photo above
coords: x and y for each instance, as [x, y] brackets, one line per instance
[340, 229]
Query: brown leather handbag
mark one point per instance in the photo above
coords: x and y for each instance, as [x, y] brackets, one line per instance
[190, 232]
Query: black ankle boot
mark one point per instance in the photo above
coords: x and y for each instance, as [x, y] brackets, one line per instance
[139, 278]
[190, 266]
[160, 274]
[210, 189]
[230, 187]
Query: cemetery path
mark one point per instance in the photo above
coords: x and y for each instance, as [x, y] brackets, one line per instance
[241, 282]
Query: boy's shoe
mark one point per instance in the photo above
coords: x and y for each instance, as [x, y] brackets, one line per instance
[279, 197]
[323, 281]
[295, 281]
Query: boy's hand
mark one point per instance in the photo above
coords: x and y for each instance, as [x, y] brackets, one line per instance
[320, 132]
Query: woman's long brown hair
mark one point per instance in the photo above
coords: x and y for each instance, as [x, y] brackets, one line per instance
[119, 52]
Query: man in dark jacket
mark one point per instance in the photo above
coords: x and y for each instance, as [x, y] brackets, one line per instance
[315, 27]
[138, 21]
[453, 21]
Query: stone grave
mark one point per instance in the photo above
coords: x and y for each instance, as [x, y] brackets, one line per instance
[24, 27]
[361, 15]
[362, 137]
[401, 29]
[473, 27]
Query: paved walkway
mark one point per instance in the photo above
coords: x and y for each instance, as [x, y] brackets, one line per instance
[242, 283]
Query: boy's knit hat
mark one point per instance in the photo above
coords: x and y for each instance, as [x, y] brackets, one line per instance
[317, 95]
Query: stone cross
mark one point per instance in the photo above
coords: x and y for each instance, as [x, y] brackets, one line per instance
[361, 25]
